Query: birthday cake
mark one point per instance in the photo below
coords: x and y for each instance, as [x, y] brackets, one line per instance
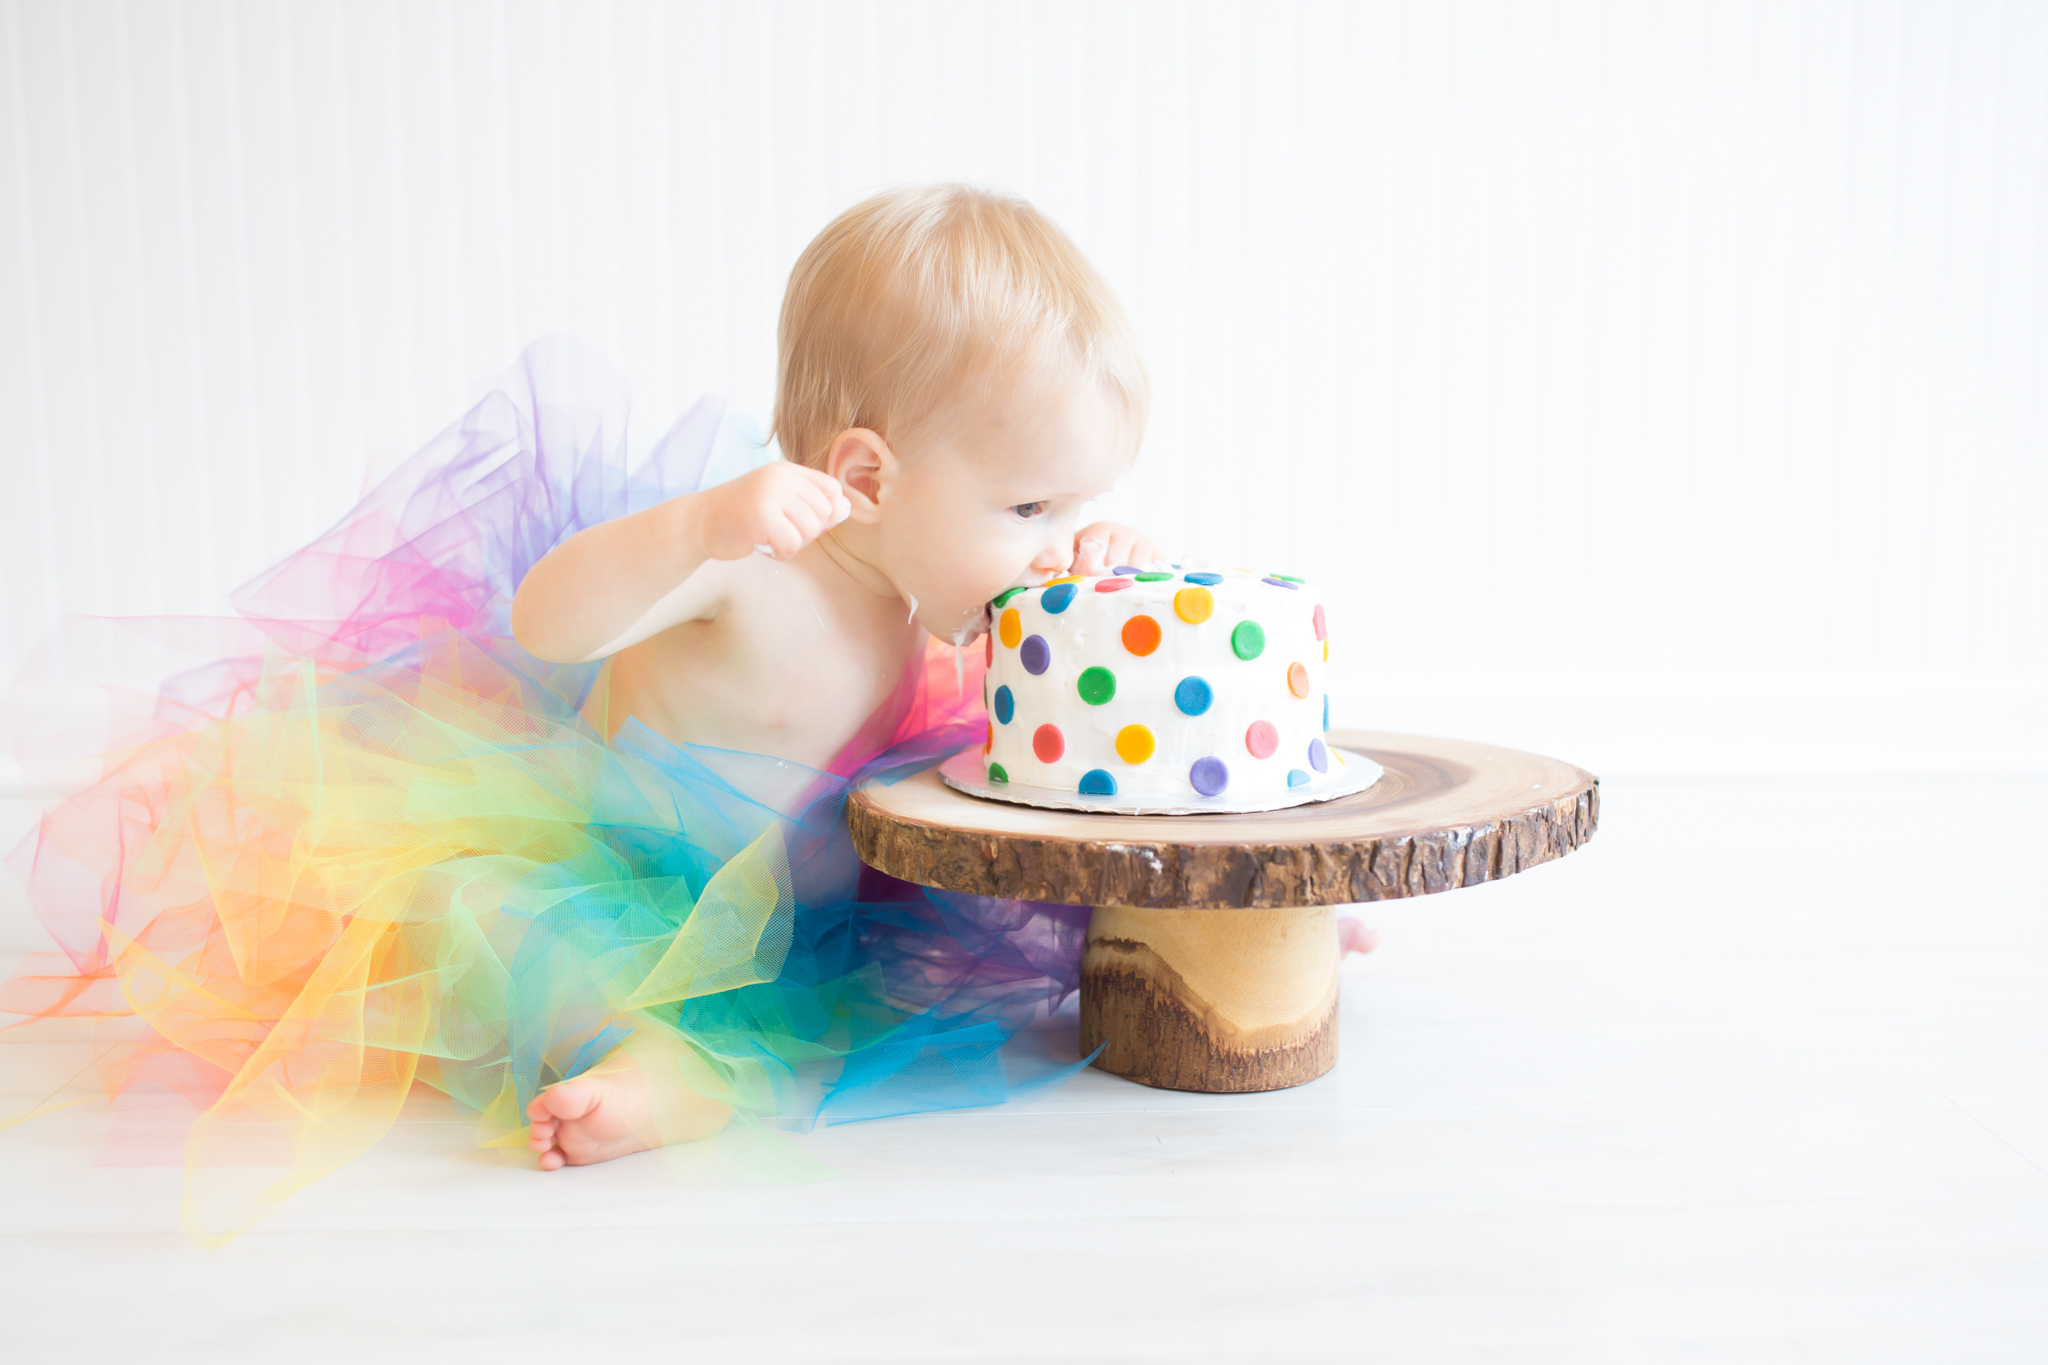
[1192, 688]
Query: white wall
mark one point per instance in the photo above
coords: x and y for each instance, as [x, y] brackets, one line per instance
[1657, 384]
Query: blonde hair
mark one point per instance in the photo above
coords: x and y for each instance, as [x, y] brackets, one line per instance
[909, 299]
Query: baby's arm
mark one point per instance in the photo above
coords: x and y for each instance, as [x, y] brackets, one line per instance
[615, 584]
[1103, 545]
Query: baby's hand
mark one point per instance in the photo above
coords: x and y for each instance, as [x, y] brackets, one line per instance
[782, 507]
[1100, 547]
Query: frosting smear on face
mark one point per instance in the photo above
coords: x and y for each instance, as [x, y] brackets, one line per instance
[1161, 685]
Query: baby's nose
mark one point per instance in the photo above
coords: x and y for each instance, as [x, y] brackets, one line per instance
[1053, 558]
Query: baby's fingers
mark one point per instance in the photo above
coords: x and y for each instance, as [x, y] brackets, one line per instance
[1141, 553]
[1091, 555]
[794, 526]
[820, 492]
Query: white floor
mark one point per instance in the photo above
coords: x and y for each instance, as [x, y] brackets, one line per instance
[1760, 1075]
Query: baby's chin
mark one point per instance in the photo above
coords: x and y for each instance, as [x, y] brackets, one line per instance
[959, 627]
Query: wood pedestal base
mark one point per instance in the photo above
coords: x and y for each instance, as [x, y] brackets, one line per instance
[1214, 1000]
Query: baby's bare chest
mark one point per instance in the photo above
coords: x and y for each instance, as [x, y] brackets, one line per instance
[789, 673]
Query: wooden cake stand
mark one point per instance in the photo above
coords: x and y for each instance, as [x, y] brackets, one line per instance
[1182, 996]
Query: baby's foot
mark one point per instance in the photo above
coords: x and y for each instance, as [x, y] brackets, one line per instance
[1354, 937]
[612, 1111]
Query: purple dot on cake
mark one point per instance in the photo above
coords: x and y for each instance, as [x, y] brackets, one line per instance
[1035, 654]
[1209, 776]
[1123, 569]
[1281, 583]
[1318, 756]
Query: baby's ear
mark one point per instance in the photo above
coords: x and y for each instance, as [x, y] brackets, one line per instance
[865, 467]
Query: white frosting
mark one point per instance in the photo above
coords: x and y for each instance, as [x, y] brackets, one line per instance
[1089, 634]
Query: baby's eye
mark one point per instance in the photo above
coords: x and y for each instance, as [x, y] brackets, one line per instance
[1027, 510]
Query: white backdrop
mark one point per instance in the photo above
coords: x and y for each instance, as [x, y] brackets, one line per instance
[1659, 384]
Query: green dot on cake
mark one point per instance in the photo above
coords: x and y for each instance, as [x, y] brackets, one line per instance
[1248, 641]
[1097, 685]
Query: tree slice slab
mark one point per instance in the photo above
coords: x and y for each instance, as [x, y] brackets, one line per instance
[1183, 997]
[1448, 813]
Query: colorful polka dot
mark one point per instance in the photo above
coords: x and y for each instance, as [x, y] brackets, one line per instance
[1281, 583]
[1063, 578]
[1210, 777]
[996, 773]
[1058, 597]
[1003, 597]
[1123, 569]
[1096, 782]
[1322, 626]
[1111, 584]
[1049, 744]
[1248, 640]
[1261, 739]
[1096, 685]
[1134, 744]
[1326, 651]
[1193, 696]
[1318, 756]
[1010, 626]
[1141, 635]
[1297, 778]
[1006, 705]
[1326, 713]
[1207, 580]
[1153, 577]
[1036, 655]
[1194, 605]
[1297, 678]
[1290, 578]
[988, 741]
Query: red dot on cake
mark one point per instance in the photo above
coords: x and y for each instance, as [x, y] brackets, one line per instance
[1261, 739]
[1049, 744]
[1112, 584]
[1322, 627]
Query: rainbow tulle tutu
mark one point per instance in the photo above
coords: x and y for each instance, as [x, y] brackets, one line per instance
[371, 842]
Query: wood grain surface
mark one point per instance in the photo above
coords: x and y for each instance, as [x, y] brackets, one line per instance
[1448, 813]
[1193, 1000]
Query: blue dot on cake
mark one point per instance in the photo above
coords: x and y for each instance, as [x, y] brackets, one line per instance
[1057, 598]
[1207, 580]
[1193, 696]
[1210, 776]
[1035, 654]
[1096, 782]
[1297, 778]
[1006, 705]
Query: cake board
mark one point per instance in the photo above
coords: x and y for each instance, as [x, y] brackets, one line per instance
[1211, 959]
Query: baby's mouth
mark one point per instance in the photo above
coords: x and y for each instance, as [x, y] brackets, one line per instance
[973, 628]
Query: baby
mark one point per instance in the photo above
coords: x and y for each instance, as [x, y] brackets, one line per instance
[956, 384]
